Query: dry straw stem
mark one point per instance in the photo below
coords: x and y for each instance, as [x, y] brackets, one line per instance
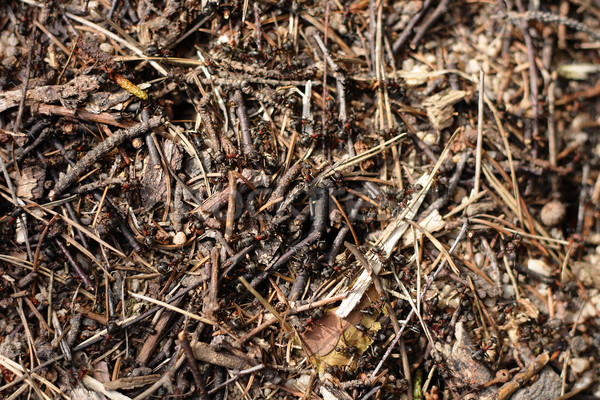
[479, 132]
[28, 376]
[131, 46]
[391, 235]
[425, 289]
[265, 304]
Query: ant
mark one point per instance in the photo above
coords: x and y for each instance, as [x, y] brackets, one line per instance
[306, 172]
[376, 306]
[513, 245]
[347, 351]
[316, 314]
[405, 196]
[481, 354]
[75, 378]
[379, 252]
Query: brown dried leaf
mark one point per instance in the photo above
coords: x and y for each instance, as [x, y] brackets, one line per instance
[31, 183]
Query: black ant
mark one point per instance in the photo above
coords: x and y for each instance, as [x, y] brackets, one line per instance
[481, 354]
[513, 245]
[346, 351]
[376, 306]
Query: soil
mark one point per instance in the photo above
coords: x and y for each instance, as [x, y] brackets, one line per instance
[299, 200]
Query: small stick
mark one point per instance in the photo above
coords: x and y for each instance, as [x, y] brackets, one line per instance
[212, 299]
[258, 29]
[547, 17]
[341, 236]
[533, 77]
[213, 139]
[237, 376]
[99, 336]
[299, 284]
[30, 315]
[479, 133]
[348, 223]
[293, 311]
[314, 235]
[75, 217]
[218, 236]
[92, 156]
[152, 151]
[89, 187]
[408, 30]
[284, 182]
[17, 202]
[307, 128]
[19, 118]
[452, 185]
[233, 261]
[81, 114]
[176, 363]
[129, 236]
[300, 219]
[340, 80]
[59, 335]
[563, 9]
[291, 197]
[406, 368]
[74, 264]
[494, 262]
[583, 194]
[229, 223]
[247, 145]
[507, 390]
[372, 28]
[441, 9]
[324, 99]
[376, 281]
[191, 360]
[36, 256]
[427, 286]
[40, 139]
[265, 304]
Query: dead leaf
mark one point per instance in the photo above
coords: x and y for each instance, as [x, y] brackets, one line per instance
[31, 184]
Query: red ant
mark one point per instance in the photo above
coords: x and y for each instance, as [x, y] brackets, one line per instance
[379, 252]
[480, 354]
[8, 376]
[76, 378]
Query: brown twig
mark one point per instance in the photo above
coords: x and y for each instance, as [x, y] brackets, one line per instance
[440, 10]
[17, 124]
[74, 264]
[533, 76]
[247, 146]
[315, 233]
[283, 183]
[408, 30]
[191, 360]
[92, 156]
